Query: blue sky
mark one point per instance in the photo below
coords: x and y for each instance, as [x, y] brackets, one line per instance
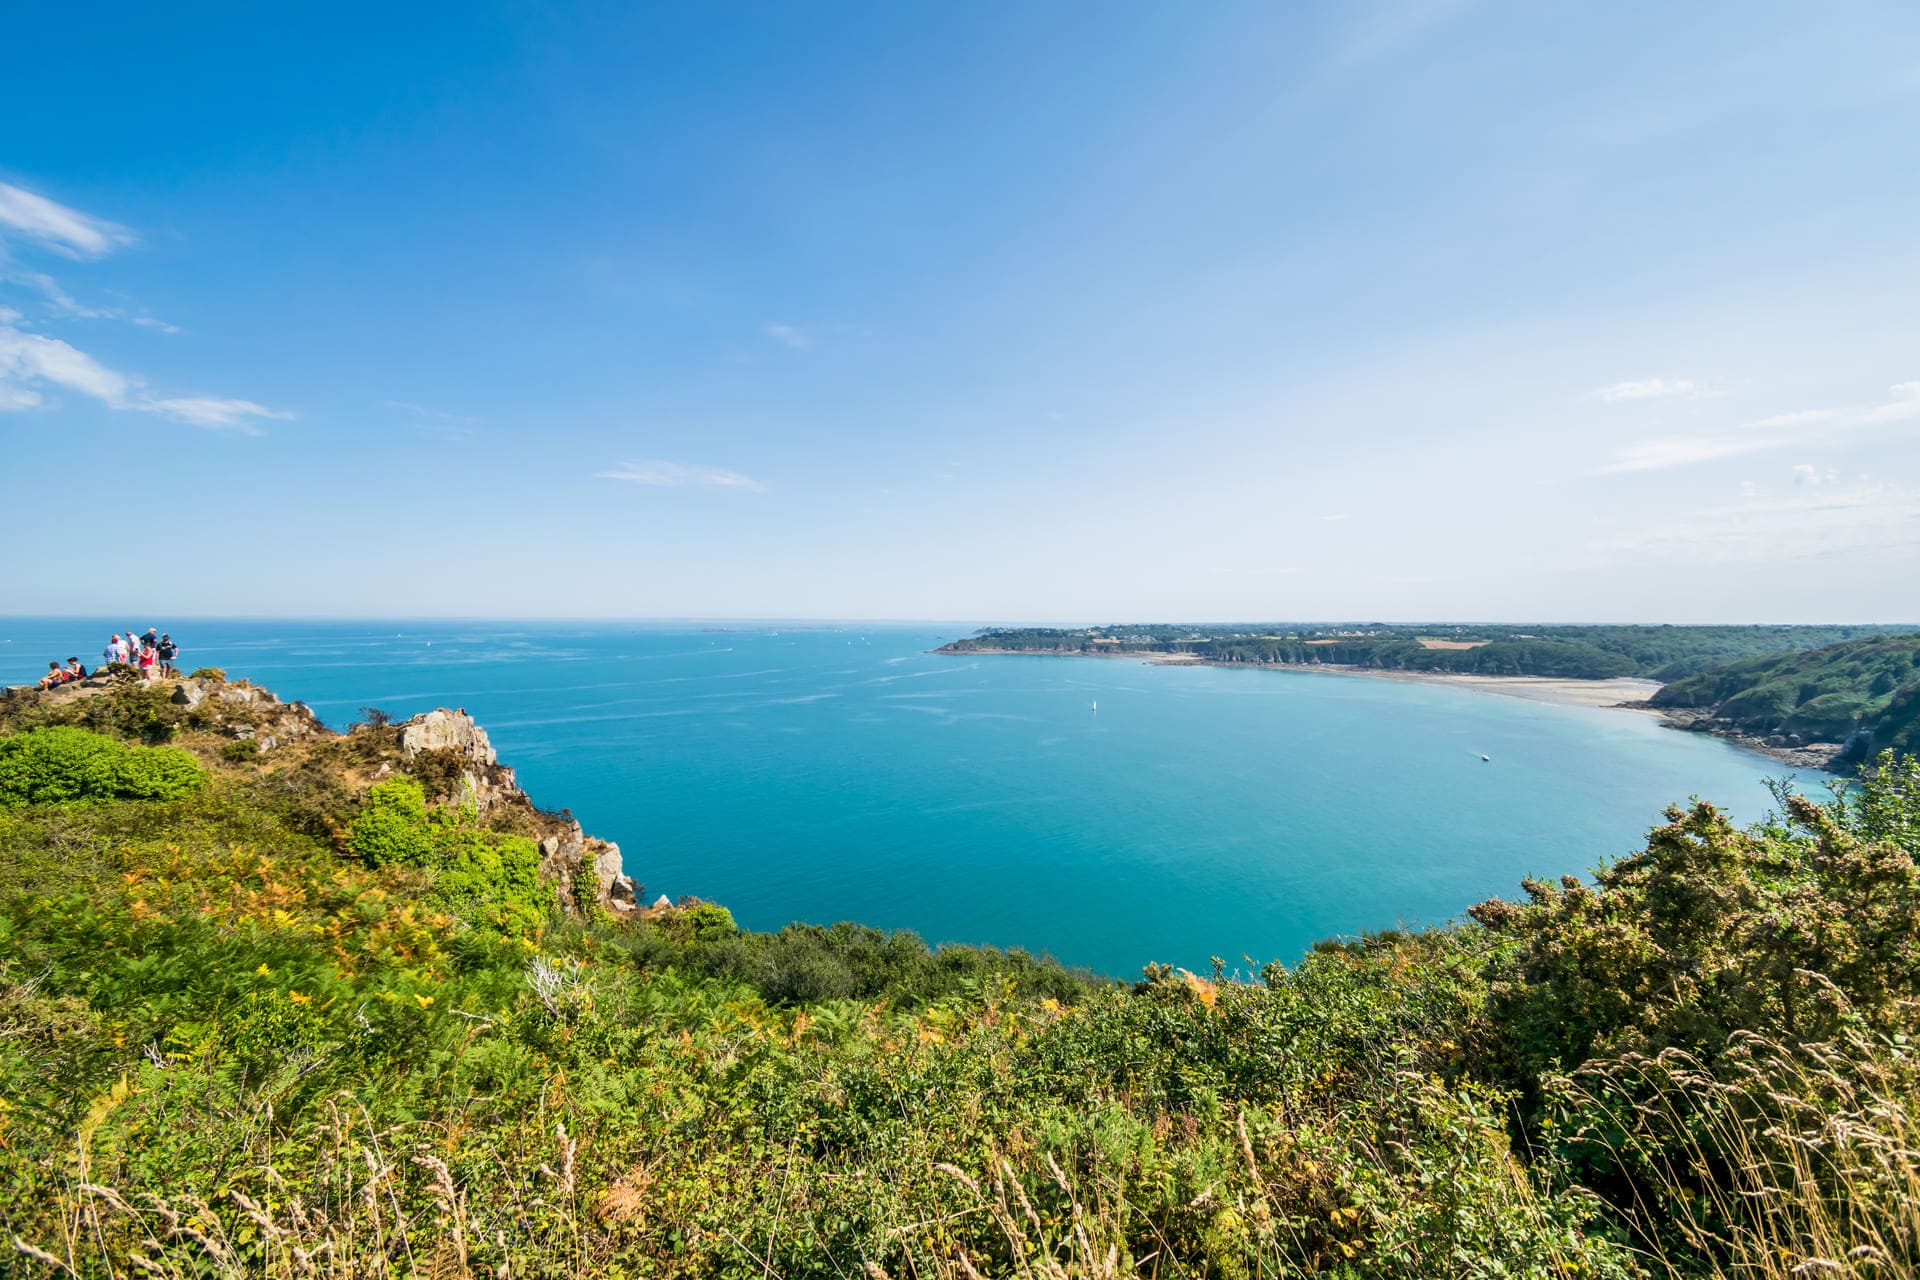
[989, 311]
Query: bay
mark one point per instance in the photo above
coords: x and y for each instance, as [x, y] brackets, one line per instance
[824, 772]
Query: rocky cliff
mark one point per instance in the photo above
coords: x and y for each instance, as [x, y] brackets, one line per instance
[571, 858]
[445, 749]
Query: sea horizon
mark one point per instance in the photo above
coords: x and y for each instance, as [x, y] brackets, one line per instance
[1109, 813]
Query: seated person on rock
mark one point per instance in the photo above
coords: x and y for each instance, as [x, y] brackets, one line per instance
[54, 678]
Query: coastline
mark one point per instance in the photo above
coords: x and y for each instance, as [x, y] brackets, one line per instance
[1824, 756]
[1624, 691]
[1619, 693]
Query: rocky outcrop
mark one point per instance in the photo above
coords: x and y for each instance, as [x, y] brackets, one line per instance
[444, 745]
[575, 863]
[578, 864]
[453, 734]
[1789, 748]
[246, 712]
[444, 730]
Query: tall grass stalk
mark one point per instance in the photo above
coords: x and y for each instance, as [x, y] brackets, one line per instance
[1785, 1162]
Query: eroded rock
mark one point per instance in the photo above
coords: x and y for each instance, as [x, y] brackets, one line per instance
[445, 730]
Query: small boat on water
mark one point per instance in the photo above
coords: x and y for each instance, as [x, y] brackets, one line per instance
[1096, 707]
[1488, 759]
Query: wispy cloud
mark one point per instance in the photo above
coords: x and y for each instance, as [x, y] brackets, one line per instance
[54, 226]
[790, 336]
[673, 475]
[435, 422]
[1685, 451]
[211, 411]
[32, 363]
[1653, 389]
[1780, 431]
[67, 304]
[1814, 522]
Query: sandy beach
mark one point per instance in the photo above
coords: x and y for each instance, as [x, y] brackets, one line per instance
[1571, 693]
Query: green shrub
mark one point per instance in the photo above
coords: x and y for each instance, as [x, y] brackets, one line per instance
[240, 750]
[54, 765]
[709, 922]
[1801, 929]
[439, 770]
[491, 879]
[393, 826]
[485, 877]
[209, 673]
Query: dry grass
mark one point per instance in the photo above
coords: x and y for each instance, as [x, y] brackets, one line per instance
[380, 1213]
[1785, 1163]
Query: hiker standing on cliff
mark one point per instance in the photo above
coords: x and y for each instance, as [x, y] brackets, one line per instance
[116, 650]
[168, 651]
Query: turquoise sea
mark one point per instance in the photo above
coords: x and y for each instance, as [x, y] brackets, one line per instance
[841, 772]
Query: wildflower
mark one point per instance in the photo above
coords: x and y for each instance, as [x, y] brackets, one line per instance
[263, 970]
[297, 998]
[423, 1001]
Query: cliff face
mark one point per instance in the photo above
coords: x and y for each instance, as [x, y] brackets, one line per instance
[574, 862]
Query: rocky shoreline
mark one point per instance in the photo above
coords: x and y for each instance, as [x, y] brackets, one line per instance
[1787, 748]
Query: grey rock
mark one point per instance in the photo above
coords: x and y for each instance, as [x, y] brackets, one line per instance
[616, 890]
[189, 694]
[447, 730]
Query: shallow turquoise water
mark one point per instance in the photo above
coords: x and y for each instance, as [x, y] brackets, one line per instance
[847, 774]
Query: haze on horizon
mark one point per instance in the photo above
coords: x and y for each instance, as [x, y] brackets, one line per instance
[1395, 311]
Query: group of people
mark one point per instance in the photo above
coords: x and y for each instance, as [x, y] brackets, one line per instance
[58, 675]
[152, 655]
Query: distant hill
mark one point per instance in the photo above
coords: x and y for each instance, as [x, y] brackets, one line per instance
[1863, 695]
[1510, 649]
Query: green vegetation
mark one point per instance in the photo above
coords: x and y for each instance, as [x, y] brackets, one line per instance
[1864, 693]
[59, 765]
[305, 1021]
[1571, 652]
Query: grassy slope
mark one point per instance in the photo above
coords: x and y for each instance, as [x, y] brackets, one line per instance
[1823, 694]
[316, 1068]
